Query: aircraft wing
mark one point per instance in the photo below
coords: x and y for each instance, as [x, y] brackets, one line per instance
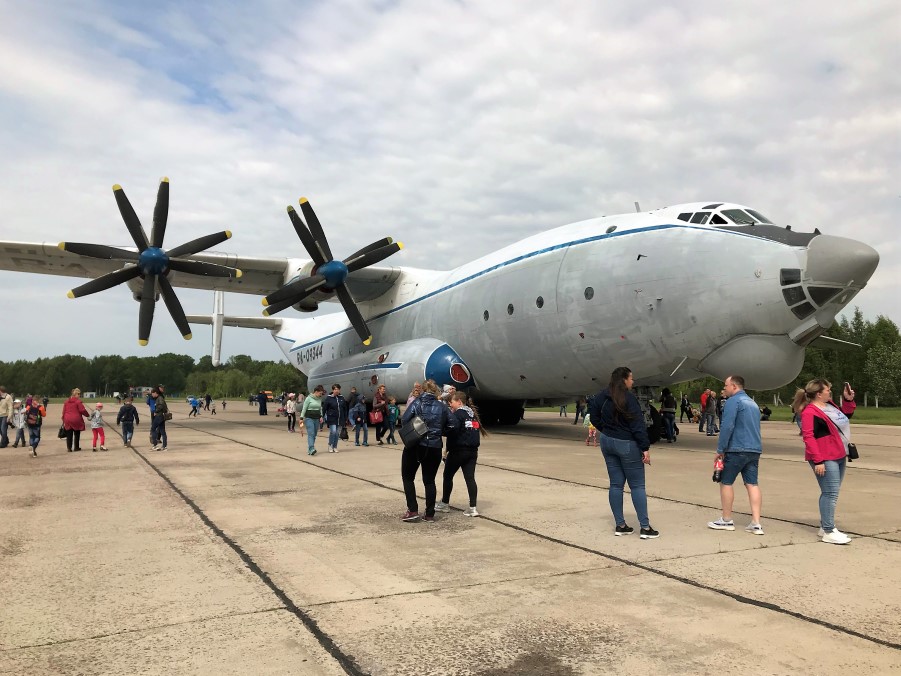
[261, 276]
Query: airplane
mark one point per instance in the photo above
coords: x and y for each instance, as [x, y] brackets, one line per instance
[675, 293]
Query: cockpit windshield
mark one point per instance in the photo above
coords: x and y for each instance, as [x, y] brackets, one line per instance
[746, 217]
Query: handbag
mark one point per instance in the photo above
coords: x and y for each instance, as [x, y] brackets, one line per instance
[62, 432]
[167, 416]
[375, 417]
[852, 447]
[343, 435]
[413, 431]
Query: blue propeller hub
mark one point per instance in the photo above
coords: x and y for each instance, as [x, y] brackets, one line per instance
[154, 261]
[335, 272]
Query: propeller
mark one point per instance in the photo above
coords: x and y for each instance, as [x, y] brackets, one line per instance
[151, 262]
[327, 274]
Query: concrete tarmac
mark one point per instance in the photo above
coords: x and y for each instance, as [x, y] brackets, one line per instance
[234, 552]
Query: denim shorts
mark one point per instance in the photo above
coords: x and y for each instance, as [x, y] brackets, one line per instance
[736, 462]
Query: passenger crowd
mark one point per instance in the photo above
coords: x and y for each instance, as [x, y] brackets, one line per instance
[614, 417]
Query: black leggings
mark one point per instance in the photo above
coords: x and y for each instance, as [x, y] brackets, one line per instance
[292, 421]
[410, 460]
[73, 440]
[464, 459]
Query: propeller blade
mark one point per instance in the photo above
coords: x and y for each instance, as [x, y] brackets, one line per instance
[105, 282]
[372, 247]
[306, 238]
[372, 257]
[295, 291]
[131, 218]
[160, 213]
[353, 314]
[110, 253]
[315, 228]
[205, 269]
[148, 304]
[175, 308]
[199, 244]
[275, 308]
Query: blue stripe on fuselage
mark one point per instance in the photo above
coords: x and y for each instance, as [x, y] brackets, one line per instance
[532, 254]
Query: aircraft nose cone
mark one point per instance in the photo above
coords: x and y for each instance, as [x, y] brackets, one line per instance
[840, 261]
[335, 272]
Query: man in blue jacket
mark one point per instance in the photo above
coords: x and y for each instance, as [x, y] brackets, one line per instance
[739, 448]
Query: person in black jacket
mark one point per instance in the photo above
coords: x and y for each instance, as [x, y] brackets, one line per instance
[334, 414]
[128, 418]
[616, 413]
[462, 452]
[427, 453]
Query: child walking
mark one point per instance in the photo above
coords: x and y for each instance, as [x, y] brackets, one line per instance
[128, 418]
[97, 427]
[592, 431]
[18, 422]
[393, 417]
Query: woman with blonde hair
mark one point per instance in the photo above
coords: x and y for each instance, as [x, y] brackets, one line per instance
[826, 429]
[73, 416]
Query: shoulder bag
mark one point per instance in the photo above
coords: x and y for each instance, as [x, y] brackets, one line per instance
[413, 431]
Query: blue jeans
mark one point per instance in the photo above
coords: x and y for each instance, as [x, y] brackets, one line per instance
[4, 431]
[710, 422]
[158, 431]
[333, 435]
[365, 428]
[128, 431]
[34, 434]
[830, 483]
[624, 463]
[745, 463]
[312, 425]
[669, 425]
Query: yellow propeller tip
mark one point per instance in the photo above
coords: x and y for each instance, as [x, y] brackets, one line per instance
[228, 234]
[71, 294]
[238, 273]
[367, 341]
[290, 209]
[400, 245]
[142, 343]
[62, 245]
[303, 200]
[187, 336]
[164, 179]
[265, 303]
[117, 187]
[265, 313]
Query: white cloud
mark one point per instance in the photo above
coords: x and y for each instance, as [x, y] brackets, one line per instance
[490, 120]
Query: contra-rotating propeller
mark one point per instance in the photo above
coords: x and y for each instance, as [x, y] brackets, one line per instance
[150, 262]
[328, 274]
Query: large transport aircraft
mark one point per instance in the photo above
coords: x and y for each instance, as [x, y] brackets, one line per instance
[708, 288]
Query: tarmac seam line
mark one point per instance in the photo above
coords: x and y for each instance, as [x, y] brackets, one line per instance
[486, 583]
[611, 557]
[139, 630]
[326, 641]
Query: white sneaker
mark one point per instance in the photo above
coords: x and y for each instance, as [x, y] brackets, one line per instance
[721, 524]
[754, 529]
[821, 532]
[442, 507]
[836, 538]
[472, 511]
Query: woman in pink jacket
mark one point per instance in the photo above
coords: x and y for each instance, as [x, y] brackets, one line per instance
[74, 413]
[826, 429]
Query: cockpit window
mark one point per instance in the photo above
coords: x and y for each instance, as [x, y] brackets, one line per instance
[685, 217]
[718, 220]
[760, 217]
[700, 217]
[738, 216]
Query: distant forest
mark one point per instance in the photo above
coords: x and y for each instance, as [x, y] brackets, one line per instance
[874, 371]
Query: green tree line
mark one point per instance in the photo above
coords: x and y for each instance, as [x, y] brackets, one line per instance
[240, 376]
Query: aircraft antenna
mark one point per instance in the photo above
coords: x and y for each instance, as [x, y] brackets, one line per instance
[637, 208]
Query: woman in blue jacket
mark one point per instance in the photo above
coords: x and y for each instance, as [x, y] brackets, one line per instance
[616, 413]
[427, 453]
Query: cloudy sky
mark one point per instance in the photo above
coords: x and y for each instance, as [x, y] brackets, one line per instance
[456, 127]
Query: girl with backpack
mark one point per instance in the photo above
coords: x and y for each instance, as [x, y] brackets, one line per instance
[462, 452]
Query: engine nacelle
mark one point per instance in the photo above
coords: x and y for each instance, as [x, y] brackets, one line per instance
[396, 367]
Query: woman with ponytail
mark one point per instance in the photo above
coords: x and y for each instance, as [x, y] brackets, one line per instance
[462, 451]
[616, 413]
[826, 429]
